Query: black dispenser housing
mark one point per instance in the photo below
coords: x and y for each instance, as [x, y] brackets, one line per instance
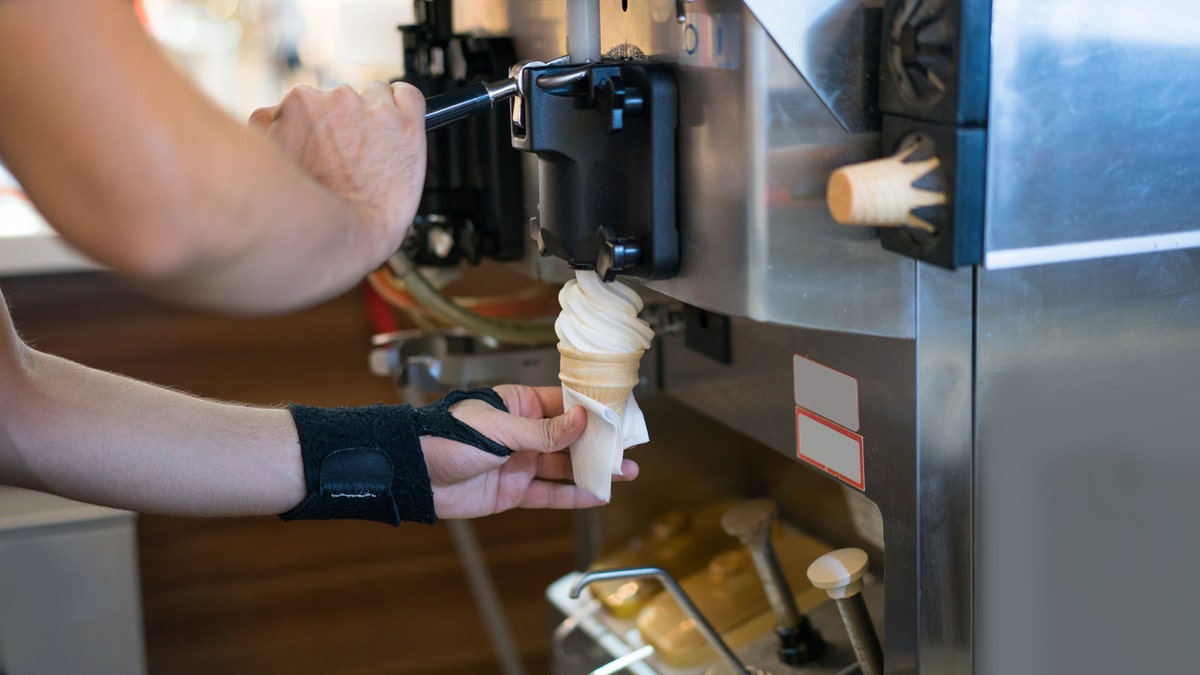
[605, 137]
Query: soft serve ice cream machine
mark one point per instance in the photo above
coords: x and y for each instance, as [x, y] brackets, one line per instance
[936, 253]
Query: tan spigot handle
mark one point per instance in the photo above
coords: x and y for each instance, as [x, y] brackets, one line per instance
[839, 573]
[751, 522]
[883, 192]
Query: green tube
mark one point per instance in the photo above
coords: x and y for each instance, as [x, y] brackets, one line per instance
[504, 330]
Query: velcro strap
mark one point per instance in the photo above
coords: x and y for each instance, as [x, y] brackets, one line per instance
[435, 420]
[365, 463]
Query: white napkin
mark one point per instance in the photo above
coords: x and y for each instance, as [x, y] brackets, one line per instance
[597, 454]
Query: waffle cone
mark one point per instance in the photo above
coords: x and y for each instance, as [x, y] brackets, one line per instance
[607, 378]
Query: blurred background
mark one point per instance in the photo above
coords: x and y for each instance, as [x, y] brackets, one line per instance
[246, 53]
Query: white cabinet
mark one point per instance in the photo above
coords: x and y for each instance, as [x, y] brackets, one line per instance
[70, 600]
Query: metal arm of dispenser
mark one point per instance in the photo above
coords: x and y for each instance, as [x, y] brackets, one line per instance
[462, 103]
[428, 364]
[689, 608]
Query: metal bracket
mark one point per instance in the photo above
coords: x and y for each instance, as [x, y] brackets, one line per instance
[426, 365]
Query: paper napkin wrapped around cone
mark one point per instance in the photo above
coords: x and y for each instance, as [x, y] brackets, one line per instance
[602, 385]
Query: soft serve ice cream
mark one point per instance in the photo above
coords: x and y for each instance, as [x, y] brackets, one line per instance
[600, 318]
[600, 343]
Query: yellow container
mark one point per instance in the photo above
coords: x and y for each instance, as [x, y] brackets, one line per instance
[677, 541]
[730, 595]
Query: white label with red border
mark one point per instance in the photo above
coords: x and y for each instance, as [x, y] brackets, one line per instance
[830, 447]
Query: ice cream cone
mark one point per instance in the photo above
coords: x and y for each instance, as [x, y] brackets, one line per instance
[607, 378]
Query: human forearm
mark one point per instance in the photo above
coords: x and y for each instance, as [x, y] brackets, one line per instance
[110, 440]
[140, 171]
[296, 246]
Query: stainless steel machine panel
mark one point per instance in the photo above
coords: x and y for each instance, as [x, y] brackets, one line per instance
[916, 405]
[830, 43]
[1092, 130]
[1086, 467]
[756, 146]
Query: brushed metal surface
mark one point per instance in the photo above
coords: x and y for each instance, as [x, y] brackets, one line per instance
[1086, 467]
[944, 483]
[753, 395]
[1092, 130]
[756, 148]
[834, 44]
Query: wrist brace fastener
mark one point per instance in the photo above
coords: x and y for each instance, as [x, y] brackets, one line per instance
[366, 463]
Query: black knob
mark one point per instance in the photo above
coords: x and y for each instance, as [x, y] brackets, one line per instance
[615, 100]
[800, 645]
[616, 255]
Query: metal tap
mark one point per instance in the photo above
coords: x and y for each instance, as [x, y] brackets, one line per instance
[427, 364]
[751, 522]
[689, 608]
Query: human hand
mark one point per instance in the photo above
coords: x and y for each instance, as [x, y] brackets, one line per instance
[368, 148]
[468, 482]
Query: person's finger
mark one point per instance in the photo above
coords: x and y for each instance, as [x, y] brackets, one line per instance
[408, 99]
[629, 470]
[548, 495]
[550, 400]
[518, 400]
[557, 466]
[554, 466]
[378, 94]
[262, 118]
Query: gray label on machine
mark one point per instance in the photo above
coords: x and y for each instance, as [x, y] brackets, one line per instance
[825, 391]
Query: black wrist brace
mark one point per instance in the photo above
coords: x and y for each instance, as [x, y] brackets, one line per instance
[366, 463]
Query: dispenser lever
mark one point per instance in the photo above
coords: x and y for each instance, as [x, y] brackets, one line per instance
[840, 574]
[462, 103]
[751, 522]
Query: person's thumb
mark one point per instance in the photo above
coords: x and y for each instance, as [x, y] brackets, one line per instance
[548, 434]
[262, 118]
